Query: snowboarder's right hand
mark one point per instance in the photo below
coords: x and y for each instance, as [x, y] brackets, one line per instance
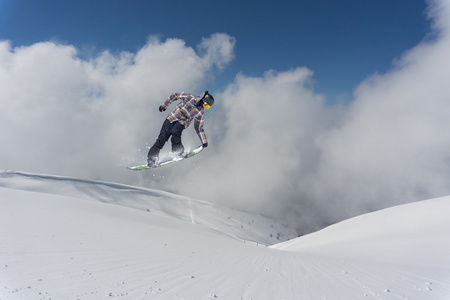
[161, 108]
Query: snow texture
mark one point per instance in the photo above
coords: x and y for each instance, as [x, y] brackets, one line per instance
[67, 238]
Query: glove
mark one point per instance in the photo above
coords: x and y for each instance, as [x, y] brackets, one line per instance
[205, 145]
[161, 108]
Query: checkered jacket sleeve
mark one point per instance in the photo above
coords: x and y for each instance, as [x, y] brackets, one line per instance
[198, 126]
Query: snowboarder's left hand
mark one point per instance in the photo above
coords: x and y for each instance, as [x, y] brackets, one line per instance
[205, 145]
[161, 108]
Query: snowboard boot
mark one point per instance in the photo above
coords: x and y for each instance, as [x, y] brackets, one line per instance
[152, 161]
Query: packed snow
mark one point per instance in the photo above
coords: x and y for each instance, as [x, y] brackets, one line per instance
[68, 238]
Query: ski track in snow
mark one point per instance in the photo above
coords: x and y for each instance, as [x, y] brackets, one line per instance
[60, 238]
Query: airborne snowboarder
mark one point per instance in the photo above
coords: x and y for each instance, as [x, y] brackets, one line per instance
[190, 108]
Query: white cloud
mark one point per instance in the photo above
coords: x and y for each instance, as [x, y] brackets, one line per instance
[275, 147]
[263, 143]
[61, 114]
[217, 50]
[393, 145]
[286, 154]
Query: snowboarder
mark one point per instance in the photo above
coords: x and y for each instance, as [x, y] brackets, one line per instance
[190, 108]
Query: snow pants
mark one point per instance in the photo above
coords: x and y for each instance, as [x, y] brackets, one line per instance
[168, 130]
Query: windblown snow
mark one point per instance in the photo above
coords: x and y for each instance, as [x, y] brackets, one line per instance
[66, 238]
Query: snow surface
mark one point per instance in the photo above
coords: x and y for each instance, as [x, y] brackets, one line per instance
[66, 238]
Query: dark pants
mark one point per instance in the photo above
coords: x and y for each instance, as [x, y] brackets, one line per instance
[168, 129]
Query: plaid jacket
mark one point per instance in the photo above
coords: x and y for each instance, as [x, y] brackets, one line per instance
[186, 111]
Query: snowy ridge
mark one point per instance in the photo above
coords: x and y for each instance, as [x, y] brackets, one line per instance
[61, 238]
[237, 224]
[407, 231]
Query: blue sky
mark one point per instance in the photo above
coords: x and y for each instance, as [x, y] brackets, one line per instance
[342, 42]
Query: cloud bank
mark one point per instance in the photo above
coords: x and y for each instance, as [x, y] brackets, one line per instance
[276, 147]
[66, 115]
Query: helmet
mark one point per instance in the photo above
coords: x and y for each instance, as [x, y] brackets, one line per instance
[209, 99]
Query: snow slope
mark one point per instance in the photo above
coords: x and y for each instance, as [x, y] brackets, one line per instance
[63, 238]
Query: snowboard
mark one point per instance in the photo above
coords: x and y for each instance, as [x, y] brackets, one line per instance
[169, 160]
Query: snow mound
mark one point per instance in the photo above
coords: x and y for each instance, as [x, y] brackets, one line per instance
[406, 232]
[236, 224]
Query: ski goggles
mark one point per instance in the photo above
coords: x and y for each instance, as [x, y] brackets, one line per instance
[206, 105]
